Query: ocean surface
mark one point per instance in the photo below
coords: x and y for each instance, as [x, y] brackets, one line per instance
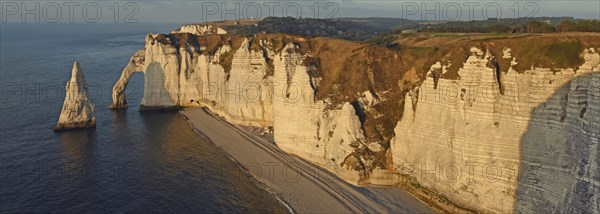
[133, 162]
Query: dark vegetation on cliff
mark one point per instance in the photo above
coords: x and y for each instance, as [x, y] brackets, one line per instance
[397, 33]
[521, 25]
[344, 28]
[376, 30]
[554, 51]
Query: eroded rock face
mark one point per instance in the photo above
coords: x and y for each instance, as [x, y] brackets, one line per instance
[475, 135]
[303, 126]
[533, 148]
[78, 109]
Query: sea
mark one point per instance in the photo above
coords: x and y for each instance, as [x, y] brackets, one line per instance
[132, 162]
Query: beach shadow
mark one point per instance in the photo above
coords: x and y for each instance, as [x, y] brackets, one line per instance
[559, 163]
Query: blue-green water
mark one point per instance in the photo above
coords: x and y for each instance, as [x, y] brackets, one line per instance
[132, 162]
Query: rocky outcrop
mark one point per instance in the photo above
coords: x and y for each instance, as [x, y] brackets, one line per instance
[493, 133]
[78, 109]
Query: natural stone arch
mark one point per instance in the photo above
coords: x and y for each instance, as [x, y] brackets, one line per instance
[136, 64]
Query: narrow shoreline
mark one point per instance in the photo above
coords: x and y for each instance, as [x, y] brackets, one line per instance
[301, 186]
[259, 183]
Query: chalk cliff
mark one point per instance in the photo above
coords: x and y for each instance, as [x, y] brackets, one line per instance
[200, 29]
[78, 109]
[304, 126]
[491, 126]
[530, 147]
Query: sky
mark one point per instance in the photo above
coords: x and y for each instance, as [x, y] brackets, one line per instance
[194, 11]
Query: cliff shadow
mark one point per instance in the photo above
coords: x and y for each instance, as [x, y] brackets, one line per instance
[156, 95]
[559, 159]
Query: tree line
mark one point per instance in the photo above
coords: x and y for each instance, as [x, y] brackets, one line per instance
[514, 26]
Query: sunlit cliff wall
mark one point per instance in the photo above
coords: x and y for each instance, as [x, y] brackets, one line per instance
[489, 140]
[531, 148]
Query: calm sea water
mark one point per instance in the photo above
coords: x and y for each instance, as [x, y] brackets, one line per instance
[132, 162]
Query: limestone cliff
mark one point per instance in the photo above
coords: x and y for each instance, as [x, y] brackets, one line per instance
[493, 126]
[303, 124]
[200, 29]
[78, 109]
[530, 147]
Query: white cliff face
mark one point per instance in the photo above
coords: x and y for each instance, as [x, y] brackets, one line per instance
[533, 148]
[186, 78]
[302, 124]
[244, 96]
[191, 76]
[493, 142]
[247, 95]
[78, 109]
[161, 75]
[200, 29]
[160, 64]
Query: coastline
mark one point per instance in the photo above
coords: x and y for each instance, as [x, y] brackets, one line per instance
[301, 186]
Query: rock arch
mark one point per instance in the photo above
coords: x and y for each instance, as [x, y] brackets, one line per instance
[136, 64]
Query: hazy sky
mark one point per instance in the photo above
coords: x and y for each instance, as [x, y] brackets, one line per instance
[192, 11]
[418, 10]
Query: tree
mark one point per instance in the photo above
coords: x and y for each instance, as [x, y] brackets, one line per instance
[539, 27]
[588, 26]
[566, 26]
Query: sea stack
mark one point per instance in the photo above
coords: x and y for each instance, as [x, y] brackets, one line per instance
[78, 109]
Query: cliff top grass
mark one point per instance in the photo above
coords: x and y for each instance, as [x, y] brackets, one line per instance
[552, 50]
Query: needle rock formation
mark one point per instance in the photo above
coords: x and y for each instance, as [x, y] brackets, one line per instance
[78, 109]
